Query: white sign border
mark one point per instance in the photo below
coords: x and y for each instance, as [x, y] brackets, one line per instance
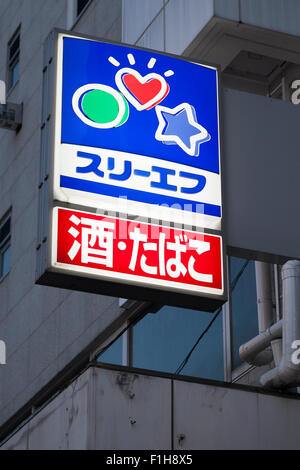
[133, 208]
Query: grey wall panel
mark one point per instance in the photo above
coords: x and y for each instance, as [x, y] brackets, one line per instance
[261, 165]
[131, 411]
[137, 16]
[184, 19]
[103, 19]
[230, 9]
[62, 424]
[18, 441]
[217, 418]
[121, 409]
[214, 417]
[279, 15]
[102, 409]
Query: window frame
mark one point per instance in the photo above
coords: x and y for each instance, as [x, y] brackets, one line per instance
[72, 13]
[231, 374]
[5, 243]
[14, 60]
[234, 374]
[80, 13]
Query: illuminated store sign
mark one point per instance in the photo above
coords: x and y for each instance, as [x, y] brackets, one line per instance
[135, 131]
[134, 134]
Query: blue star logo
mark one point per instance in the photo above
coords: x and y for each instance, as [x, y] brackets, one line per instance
[179, 126]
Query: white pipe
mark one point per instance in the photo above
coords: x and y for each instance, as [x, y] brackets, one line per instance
[287, 374]
[277, 299]
[254, 351]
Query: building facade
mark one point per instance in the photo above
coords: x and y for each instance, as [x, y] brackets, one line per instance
[114, 373]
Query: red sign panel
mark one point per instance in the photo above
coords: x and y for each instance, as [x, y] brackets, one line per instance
[137, 253]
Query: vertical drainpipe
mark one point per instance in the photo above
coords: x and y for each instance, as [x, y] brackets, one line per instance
[277, 343]
[264, 295]
[287, 374]
[264, 307]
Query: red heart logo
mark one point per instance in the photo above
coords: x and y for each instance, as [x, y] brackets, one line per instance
[144, 92]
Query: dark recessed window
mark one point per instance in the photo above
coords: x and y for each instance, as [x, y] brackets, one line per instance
[13, 59]
[5, 235]
[81, 5]
[243, 305]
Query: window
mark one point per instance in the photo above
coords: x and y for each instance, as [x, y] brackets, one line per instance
[113, 354]
[5, 245]
[13, 59]
[195, 343]
[162, 341]
[81, 5]
[243, 305]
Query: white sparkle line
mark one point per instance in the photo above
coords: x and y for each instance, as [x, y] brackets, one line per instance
[168, 73]
[113, 61]
[151, 63]
[131, 59]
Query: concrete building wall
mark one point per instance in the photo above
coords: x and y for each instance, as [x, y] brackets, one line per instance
[261, 171]
[171, 25]
[44, 328]
[278, 15]
[116, 409]
[164, 25]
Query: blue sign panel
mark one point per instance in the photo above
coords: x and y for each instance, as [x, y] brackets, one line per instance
[140, 125]
[171, 101]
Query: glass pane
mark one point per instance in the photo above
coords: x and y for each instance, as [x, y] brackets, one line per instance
[161, 341]
[244, 306]
[14, 47]
[14, 74]
[4, 230]
[81, 5]
[113, 355]
[5, 261]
